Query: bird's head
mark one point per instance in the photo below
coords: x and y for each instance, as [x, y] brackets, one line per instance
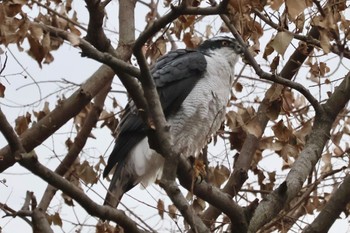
[223, 45]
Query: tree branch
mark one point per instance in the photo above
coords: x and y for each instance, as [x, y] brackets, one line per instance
[70, 107]
[213, 196]
[103, 212]
[31, 162]
[77, 146]
[157, 117]
[331, 211]
[271, 77]
[307, 159]
[163, 139]
[95, 34]
[242, 164]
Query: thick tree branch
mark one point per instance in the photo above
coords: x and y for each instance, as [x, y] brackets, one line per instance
[126, 38]
[70, 107]
[242, 164]
[157, 117]
[103, 212]
[332, 210]
[31, 162]
[307, 159]
[95, 34]
[297, 208]
[77, 146]
[163, 139]
[40, 223]
[213, 196]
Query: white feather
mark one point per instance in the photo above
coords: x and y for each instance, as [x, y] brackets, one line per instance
[148, 164]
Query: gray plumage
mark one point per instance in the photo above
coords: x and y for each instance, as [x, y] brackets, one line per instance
[194, 88]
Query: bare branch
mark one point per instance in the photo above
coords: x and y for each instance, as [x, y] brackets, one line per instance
[103, 212]
[95, 34]
[332, 210]
[70, 107]
[307, 159]
[59, 15]
[156, 113]
[77, 146]
[271, 77]
[12, 213]
[242, 164]
[32, 164]
[40, 223]
[163, 138]
[213, 196]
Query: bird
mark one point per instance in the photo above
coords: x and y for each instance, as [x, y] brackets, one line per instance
[194, 87]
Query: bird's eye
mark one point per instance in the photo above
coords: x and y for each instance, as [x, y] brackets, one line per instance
[224, 43]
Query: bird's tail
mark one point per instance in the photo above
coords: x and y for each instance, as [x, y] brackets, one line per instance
[122, 181]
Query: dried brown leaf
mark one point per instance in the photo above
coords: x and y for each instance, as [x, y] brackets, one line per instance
[74, 39]
[100, 162]
[208, 31]
[87, 173]
[56, 219]
[276, 4]
[268, 51]
[172, 211]
[106, 227]
[270, 143]
[274, 109]
[287, 163]
[272, 176]
[289, 151]
[295, 8]
[299, 23]
[238, 87]
[115, 103]
[160, 208]
[327, 163]
[198, 205]
[274, 64]
[281, 42]
[2, 90]
[221, 174]
[237, 139]
[304, 131]
[288, 100]
[325, 41]
[253, 127]
[274, 92]
[22, 123]
[324, 69]
[68, 143]
[36, 50]
[281, 131]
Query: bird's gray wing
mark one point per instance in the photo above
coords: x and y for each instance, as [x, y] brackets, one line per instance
[175, 75]
[131, 130]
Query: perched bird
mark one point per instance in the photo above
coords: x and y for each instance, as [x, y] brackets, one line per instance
[194, 87]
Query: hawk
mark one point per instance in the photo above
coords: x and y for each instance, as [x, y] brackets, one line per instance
[194, 87]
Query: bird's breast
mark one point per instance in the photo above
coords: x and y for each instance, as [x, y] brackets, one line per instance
[200, 115]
